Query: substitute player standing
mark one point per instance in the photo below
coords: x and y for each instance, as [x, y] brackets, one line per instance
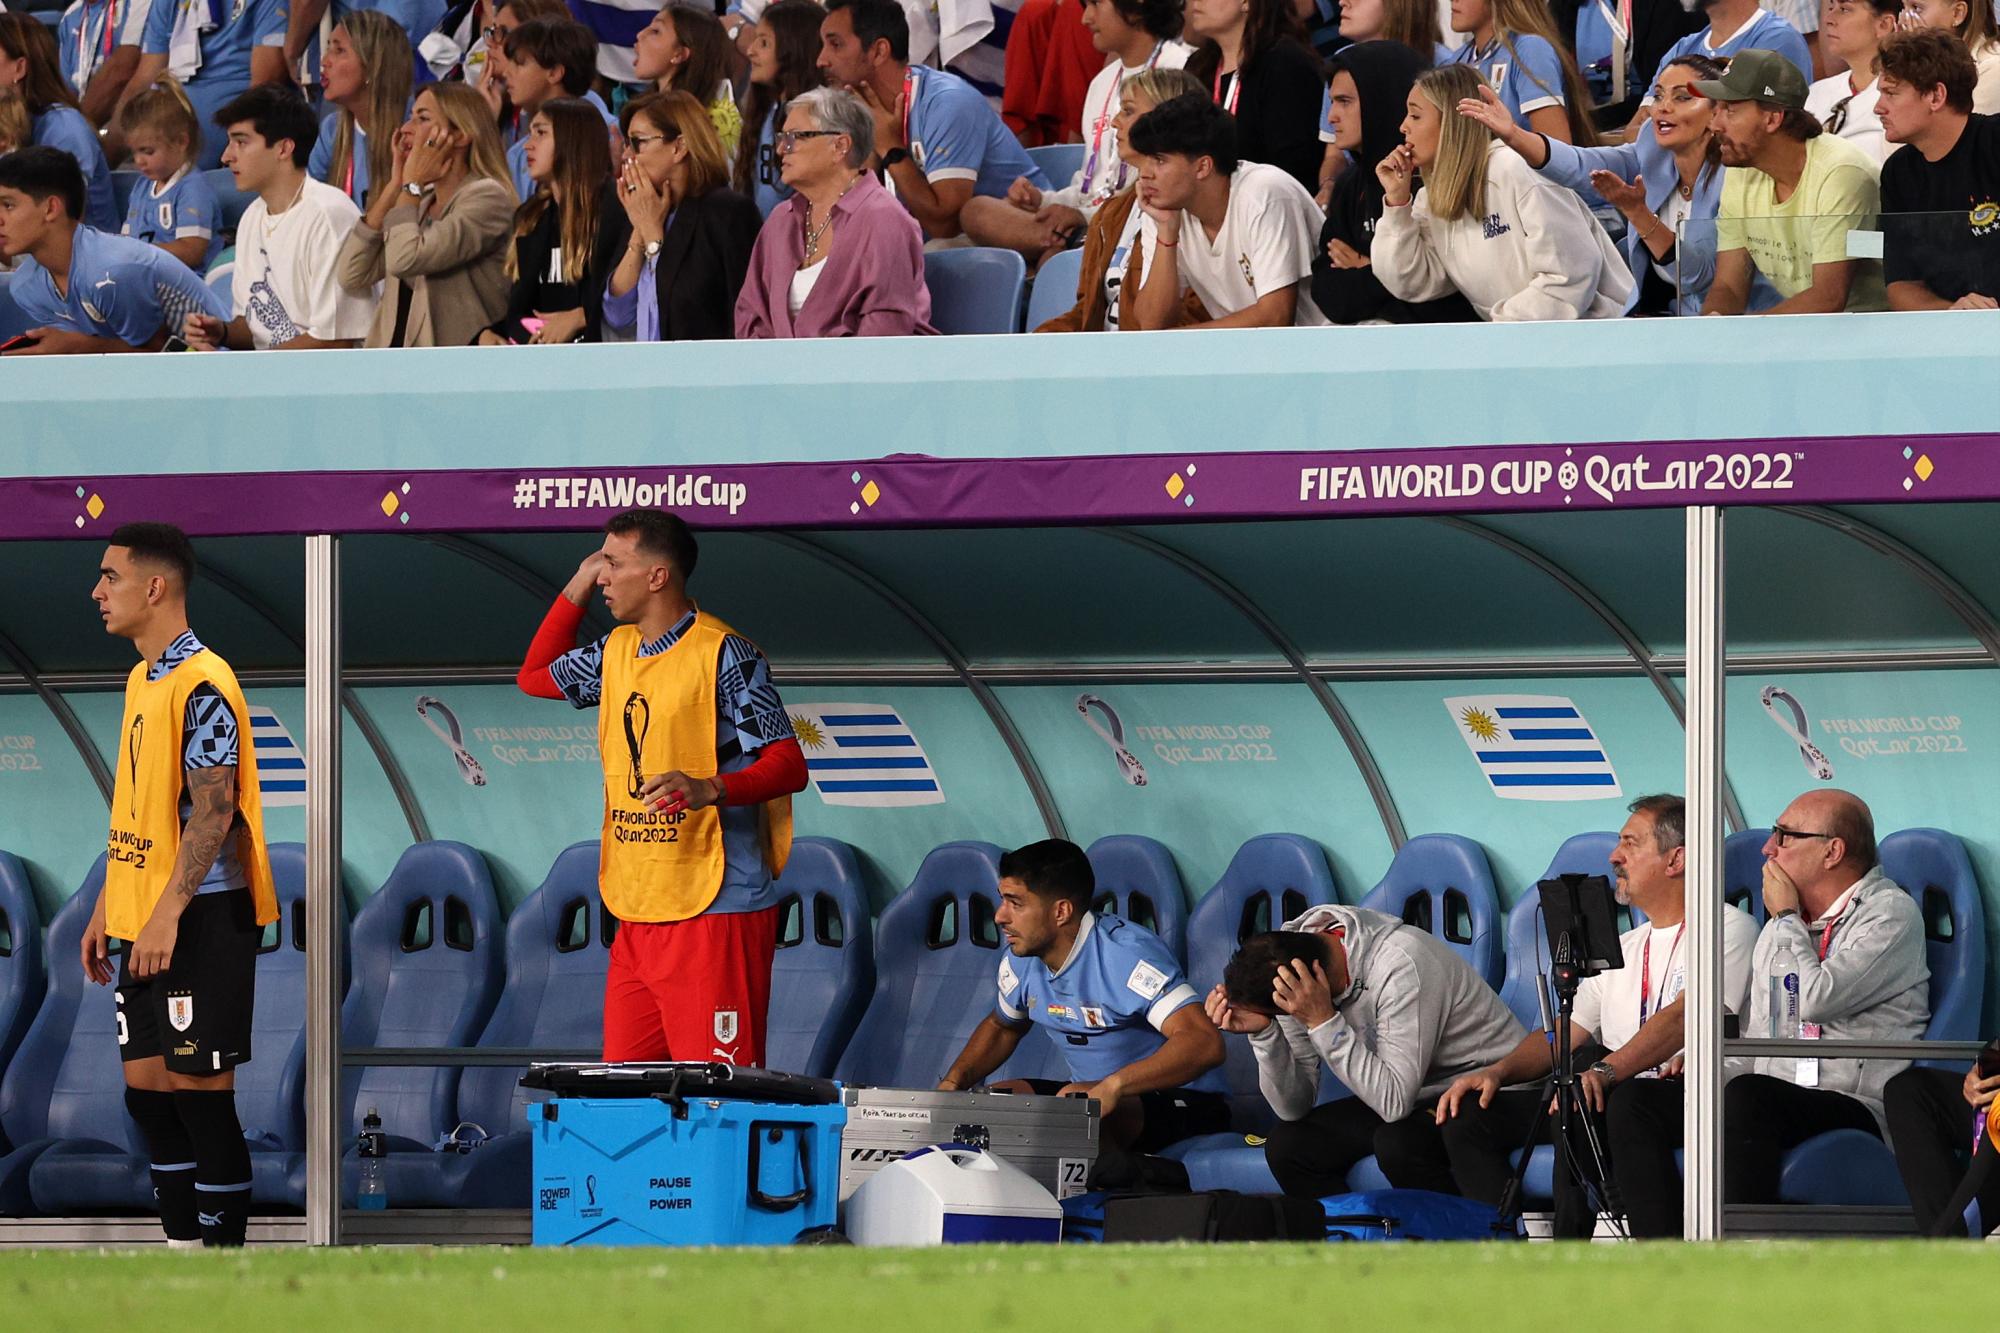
[699, 767]
[187, 886]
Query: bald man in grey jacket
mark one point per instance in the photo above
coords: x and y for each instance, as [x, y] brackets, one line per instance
[1390, 1010]
[1857, 943]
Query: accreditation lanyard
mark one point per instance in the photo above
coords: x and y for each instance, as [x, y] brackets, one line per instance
[85, 66]
[1104, 118]
[1646, 972]
[1235, 89]
[910, 87]
[1826, 933]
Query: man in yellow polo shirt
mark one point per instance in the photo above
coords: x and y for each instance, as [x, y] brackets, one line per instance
[187, 887]
[699, 769]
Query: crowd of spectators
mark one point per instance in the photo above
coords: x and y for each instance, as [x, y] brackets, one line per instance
[783, 169]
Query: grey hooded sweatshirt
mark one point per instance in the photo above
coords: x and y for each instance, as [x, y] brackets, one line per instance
[1414, 1017]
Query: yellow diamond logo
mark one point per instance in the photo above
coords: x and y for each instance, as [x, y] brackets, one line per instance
[389, 504]
[870, 493]
[1925, 467]
[1175, 486]
[95, 507]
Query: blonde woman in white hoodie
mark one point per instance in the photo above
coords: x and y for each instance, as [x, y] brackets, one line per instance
[1485, 224]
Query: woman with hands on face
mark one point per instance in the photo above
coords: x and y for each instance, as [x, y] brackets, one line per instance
[1366, 97]
[1667, 180]
[1517, 246]
[567, 235]
[436, 232]
[691, 237]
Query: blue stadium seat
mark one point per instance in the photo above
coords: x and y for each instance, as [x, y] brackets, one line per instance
[84, 1176]
[1743, 870]
[1137, 880]
[976, 289]
[426, 972]
[221, 280]
[22, 975]
[1055, 287]
[1850, 1167]
[937, 953]
[558, 948]
[1059, 161]
[1441, 883]
[231, 200]
[1527, 945]
[824, 970]
[122, 185]
[64, 1082]
[1271, 879]
[13, 322]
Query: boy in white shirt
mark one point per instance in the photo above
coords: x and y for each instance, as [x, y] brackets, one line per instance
[1240, 235]
[287, 294]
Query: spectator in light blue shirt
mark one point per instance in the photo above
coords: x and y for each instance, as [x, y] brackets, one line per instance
[1734, 25]
[1515, 47]
[115, 295]
[366, 74]
[173, 206]
[29, 64]
[938, 141]
[98, 42]
[218, 49]
[784, 49]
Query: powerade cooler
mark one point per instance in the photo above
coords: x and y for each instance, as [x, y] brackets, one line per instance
[682, 1154]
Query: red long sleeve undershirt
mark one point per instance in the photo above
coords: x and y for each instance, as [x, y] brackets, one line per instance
[778, 770]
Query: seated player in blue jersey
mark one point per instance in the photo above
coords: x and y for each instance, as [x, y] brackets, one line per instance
[218, 49]
[937, 140]
[175, 207]
[83, 290]
[1113, 997]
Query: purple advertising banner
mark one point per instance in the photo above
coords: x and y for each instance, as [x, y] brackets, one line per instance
[918, 491]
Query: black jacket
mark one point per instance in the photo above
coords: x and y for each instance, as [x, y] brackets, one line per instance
[1277, 113]
[703, 259]
[1383, 72]
[533, 292]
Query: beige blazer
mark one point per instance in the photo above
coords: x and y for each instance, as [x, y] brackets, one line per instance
[454, 261]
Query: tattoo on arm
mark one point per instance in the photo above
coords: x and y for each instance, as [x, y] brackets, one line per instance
[213, 792]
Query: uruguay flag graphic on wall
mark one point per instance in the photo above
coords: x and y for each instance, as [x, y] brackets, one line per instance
[864, 754]
[1534, 747]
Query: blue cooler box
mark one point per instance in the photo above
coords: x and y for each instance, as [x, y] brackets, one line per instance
[702, 1171]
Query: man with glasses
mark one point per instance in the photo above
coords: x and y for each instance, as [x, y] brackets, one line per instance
[1841, 957]
[700, 764]
[1844, 103]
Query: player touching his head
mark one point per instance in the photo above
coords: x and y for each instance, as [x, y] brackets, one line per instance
[187, 886]
[699, 769]
[1110, 993]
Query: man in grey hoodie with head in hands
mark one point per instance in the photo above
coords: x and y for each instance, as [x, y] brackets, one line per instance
[1391, 1010]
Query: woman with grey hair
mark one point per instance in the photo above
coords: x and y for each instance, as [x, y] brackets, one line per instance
[840, 258]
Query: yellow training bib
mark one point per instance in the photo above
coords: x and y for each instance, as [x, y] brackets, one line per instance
[657, 714]
[146, 801]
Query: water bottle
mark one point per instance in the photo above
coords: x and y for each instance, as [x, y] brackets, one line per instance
[374, 1189]
[1785, 993]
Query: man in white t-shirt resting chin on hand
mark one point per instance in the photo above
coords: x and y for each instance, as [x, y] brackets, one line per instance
[1240, 235]
[1630, 1019]
[287, 294]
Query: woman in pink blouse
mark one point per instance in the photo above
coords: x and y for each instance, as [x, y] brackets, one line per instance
[840, 258]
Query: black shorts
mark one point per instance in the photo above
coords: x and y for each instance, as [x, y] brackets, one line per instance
[196, 1014]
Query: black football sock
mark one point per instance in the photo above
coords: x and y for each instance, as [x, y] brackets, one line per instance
[172, 1153]
[222, 1165]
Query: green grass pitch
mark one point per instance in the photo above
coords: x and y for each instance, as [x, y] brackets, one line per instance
[1775, 1287]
